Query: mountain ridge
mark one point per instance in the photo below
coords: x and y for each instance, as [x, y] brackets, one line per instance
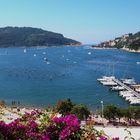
[30, 36]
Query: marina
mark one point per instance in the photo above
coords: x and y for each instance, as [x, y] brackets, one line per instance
[124, 86]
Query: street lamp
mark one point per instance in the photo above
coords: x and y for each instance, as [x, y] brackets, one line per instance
[102, 104]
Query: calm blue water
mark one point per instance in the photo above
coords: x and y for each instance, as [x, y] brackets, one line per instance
[72, 73]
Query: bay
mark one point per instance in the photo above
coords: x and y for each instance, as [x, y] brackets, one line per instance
[42, 76]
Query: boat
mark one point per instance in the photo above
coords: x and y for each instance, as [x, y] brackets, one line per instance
[131, 97]
[89, 53]
[127, 95]
[106, 78]
[45, 59]
[128, 81]
[109, 83]
[138, 90]
[24, 50]
[135, 102]
[117, 88]
[138, 63]
[121, 93]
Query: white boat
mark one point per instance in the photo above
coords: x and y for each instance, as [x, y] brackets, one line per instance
[131, 97]
[129, 81]
[138, 89]
[45, 59]
[106, 78]
[134, 102]
[24, 50]
[127, 95]
[109, 83]
[89, 53]
[122, 93]
[117, 88]
[138, 63]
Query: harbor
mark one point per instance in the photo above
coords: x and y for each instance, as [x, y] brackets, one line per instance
[127, 88]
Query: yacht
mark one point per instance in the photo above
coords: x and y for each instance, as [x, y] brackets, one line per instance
[106, 78]
[121, 93]
[117, 88]
[109, 83]
[138, 89]
[134, 102]
[129, 81]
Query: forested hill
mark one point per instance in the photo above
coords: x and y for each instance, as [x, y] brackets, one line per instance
[28, 36]
[127, 41]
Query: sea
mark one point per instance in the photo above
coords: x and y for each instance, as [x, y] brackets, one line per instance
[41, 76]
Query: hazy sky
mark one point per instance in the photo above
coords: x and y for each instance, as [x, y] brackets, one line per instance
[89, 21]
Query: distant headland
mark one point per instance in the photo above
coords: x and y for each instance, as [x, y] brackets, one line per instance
[28, 36]
[129, 42]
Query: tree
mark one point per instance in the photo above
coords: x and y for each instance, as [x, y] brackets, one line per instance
[119, 113]
[81, 111]
[2, 103]
[110, 112]
[64, 107]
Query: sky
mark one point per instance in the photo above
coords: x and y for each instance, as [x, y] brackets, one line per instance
[88, 21]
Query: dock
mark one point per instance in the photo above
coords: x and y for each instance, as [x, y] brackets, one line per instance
[126, 87]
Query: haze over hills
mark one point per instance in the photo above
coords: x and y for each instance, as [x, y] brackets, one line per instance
[28, 36]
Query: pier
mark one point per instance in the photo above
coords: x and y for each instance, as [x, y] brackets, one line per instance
[126, 87]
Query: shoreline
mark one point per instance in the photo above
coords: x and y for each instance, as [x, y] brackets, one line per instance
[124, 49]
[128, 50]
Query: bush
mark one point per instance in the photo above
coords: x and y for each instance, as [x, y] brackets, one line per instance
[64, 107]
[81, 111]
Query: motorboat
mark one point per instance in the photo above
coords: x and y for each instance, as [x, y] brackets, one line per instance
[129, 81]
[122, 93]
[138, 63]
[129, 98]
[127, 95]
[138, 89]
[109, 83]
[106, 78]
[117, 88]
[134, 102]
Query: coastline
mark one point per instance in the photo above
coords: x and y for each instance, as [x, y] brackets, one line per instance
[125, 49]
[104, 48]
[128, 50]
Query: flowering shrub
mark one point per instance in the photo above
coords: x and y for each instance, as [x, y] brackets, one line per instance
[42, 126]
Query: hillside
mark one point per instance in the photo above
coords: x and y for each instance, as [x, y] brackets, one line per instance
[128, 41]
[28, 36]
